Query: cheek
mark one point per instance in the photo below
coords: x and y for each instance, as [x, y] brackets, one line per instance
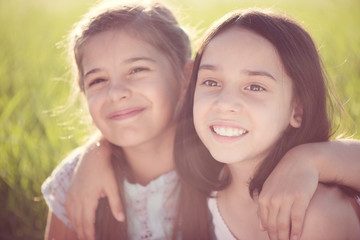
[196, 107]
[274, 119]
[164, 106]
[94, 106]
[199, 112]
[196, 118]
[166, 98]
[164, 90]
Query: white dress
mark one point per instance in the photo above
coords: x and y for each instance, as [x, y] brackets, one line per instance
[151, 209]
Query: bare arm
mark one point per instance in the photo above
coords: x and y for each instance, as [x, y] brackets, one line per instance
[339, 162]
[57, 230]
[283, 206]
[93, 178]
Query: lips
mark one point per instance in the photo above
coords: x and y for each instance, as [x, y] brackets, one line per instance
[227, 131]
[126, 113]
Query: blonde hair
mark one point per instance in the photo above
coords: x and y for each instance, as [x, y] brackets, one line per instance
[147, 20]
[155, 24]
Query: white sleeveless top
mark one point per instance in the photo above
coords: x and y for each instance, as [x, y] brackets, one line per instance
[151, 209]
[222, 232]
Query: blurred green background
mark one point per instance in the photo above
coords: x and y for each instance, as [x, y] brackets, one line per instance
[37, 131]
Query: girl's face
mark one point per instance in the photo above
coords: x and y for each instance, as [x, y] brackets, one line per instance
[243, 98]
[131, 89]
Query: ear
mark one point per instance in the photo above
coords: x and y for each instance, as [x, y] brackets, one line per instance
[297, 115]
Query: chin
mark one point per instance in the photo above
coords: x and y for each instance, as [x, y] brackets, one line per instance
[220, 157]
[122, 143]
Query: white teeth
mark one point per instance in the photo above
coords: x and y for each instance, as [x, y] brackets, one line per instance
[229, 132]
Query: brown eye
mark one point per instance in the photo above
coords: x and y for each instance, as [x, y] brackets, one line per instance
[211, 83]
[96, 81]
[255, 88]
[138, 69]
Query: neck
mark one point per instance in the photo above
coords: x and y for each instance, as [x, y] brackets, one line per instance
[153, 158]
[241, 175]
[236, 206]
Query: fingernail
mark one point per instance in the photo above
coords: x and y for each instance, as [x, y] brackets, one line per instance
[294, 237]
[261, 226]
[120, 217]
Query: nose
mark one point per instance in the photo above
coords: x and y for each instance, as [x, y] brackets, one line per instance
[229, 100]
[119, 91]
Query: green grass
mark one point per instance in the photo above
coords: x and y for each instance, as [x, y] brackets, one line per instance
[34, 77]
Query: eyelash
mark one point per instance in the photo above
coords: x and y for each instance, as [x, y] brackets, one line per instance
[255, 88]
[132, 71]
[138, 69]
[211, 83]
[96, 81]
[252, 87]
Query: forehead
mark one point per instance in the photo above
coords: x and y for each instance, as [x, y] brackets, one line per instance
[116, 46]
[238, 47]
[236, 52]
[237, 40]
[115, 38]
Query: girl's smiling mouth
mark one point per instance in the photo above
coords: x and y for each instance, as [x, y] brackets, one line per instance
[126, 113]
[226, 131]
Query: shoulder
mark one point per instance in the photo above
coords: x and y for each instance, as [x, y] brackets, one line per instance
[62, 174]
[330, 215]
[55, 187]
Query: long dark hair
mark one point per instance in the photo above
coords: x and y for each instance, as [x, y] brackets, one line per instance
[302, 64]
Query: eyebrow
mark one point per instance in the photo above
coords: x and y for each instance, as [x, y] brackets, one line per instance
[135, 59]
[130, 60]
[208, 67]
[259, 73]
[95, 70]
[247, 72]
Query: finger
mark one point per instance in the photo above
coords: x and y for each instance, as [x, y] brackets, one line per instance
[283, 222]
[77, 219]
[112, 193]
[273, 211]
[88, 219]
[263, 213]
[72, 213]
[261, 225]
[297, 216]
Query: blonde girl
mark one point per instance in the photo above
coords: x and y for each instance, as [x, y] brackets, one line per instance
[132, 61]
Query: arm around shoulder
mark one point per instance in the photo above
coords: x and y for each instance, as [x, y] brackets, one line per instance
[340, 162]
[331, 215]
[57, 230]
